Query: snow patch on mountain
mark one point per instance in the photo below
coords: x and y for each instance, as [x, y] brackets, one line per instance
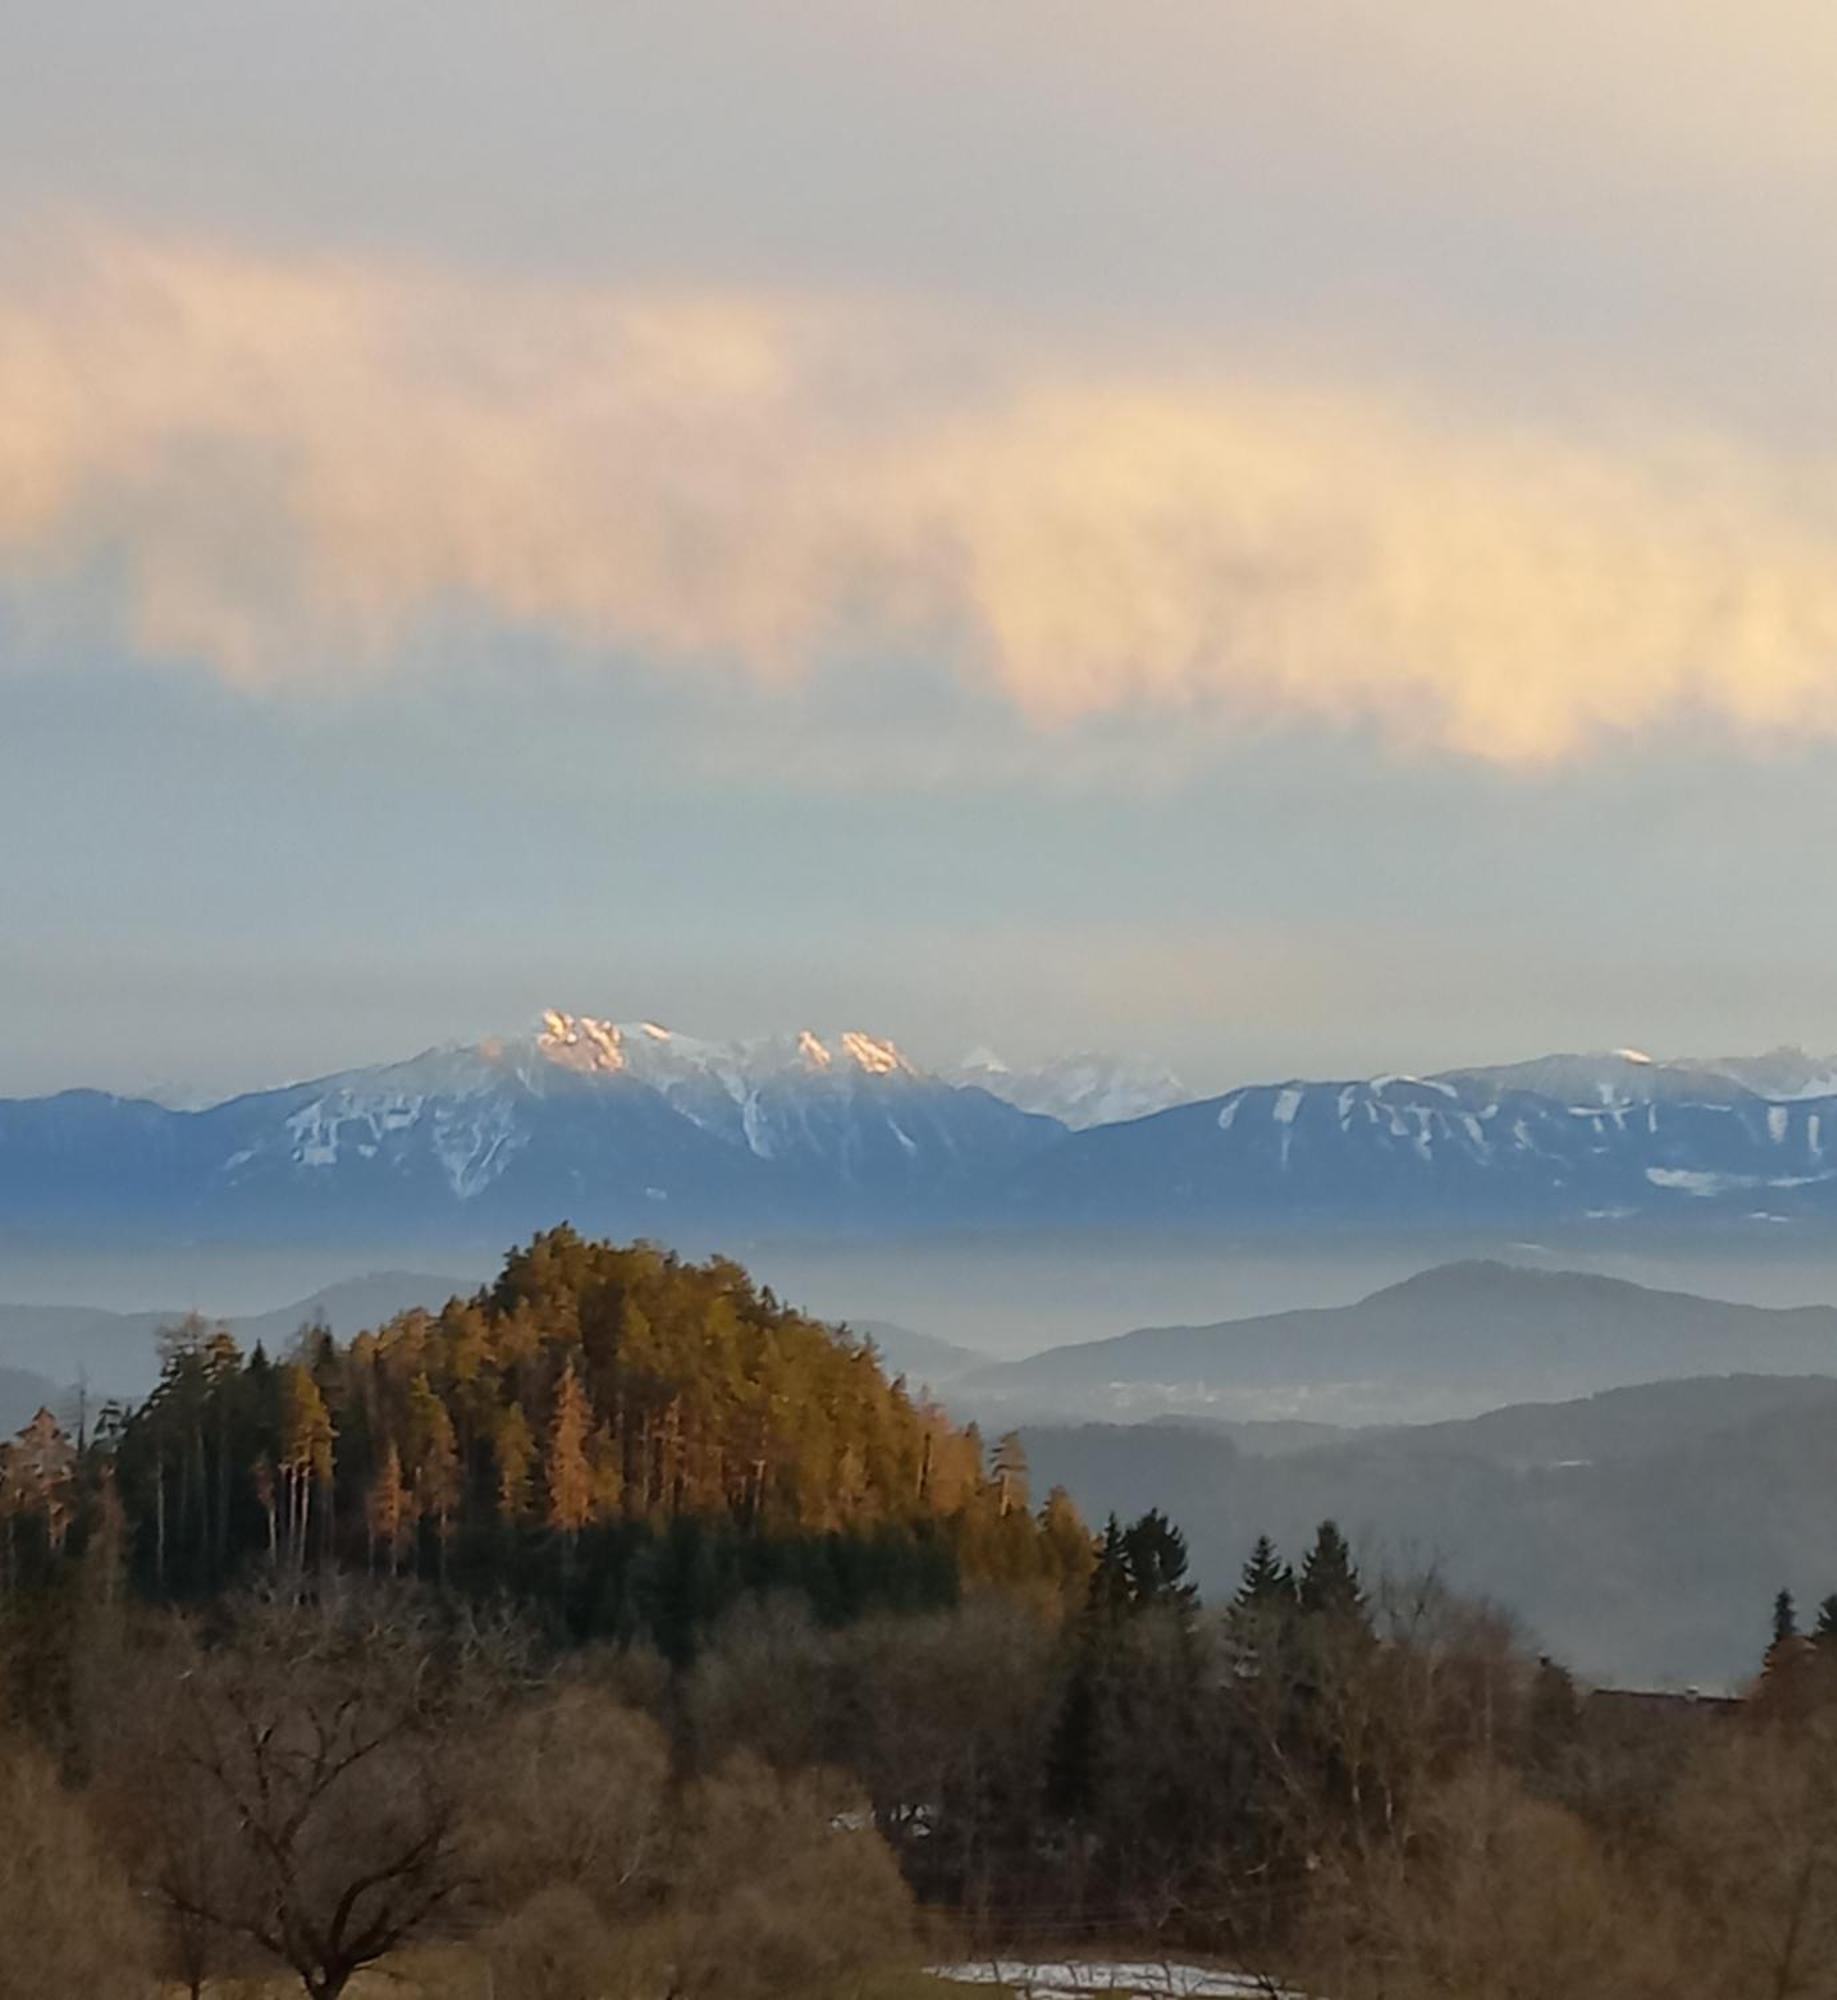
[1623, 1078]
[1079, 1090]
[663, 1058]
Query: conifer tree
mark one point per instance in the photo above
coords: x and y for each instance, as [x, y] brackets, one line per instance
[388, 1507]
[570, 1478]
[1010, 1472]
[1329, 1585]
[1109, 1593]
[1066, 1547]
[1824, 1632]
[513, 1447]
[1783, 1683]
[433, 1458]
[305, 1455]
[1259, 1625]
[1268, 1582]
[1154, 1556]
[1785, 1619]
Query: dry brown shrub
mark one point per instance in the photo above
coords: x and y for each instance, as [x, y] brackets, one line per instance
[558, 1946]
[69, 1928]
[1753, 1833]
[1497, 1897]
[782, 1887]
[572, 1792]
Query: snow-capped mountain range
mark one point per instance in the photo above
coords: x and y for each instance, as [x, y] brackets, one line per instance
[636, 1129]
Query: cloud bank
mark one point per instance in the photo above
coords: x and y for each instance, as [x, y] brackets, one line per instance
[302, 472]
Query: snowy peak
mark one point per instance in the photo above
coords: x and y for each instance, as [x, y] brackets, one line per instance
[582, 1044]
[661, 1057]
[1080, 1091]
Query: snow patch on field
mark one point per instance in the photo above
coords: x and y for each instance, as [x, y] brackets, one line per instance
[1141, 1979]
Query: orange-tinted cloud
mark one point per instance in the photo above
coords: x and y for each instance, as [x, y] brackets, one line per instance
[298, 469]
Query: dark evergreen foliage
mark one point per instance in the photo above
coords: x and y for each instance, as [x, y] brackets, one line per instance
[1785, 1618]
[1269, 1582]
[1329, 1584]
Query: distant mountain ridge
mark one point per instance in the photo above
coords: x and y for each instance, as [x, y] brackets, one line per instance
[1641, 1533]
[633, 1129]
[1448, 1342]
[1596, 1140]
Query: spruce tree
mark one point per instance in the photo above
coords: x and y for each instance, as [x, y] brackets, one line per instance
[1154, 1560]
[1268, 1582]
[1824, 1633]
[1785, 1619]
[1329, 1585]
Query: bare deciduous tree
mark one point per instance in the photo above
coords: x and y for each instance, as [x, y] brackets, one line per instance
[311, 1800]
[572, 1790]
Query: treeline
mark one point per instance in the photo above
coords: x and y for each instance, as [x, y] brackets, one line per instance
[617, 1631]
[626, 1439]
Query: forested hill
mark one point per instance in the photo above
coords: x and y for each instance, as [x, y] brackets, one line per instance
[633, 1437]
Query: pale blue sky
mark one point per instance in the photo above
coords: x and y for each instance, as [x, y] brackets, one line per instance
[1301, 544]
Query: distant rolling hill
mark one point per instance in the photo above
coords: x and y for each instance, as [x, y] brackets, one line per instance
[114, 1353]
[22, 1395]
[1448, 1342]
[923, 1358]
[1639, 1534]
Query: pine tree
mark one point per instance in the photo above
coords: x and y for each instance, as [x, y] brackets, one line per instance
[1824, 1633]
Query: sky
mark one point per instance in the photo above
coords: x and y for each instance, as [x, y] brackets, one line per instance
[1293, 540]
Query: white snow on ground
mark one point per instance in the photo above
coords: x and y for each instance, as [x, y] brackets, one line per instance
[1141, 1979]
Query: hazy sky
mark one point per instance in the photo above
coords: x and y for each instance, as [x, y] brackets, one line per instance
[1297, 538]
